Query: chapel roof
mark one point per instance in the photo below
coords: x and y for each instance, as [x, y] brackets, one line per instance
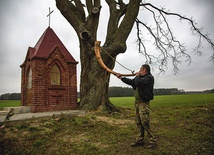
[45, 46]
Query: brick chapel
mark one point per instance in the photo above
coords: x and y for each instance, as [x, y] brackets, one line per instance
[49, 79]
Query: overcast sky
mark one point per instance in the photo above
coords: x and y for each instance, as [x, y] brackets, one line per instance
[24, 21]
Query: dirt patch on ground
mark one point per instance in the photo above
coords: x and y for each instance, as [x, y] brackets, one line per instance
[114, 121]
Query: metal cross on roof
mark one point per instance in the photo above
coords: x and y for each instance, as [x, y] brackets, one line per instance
[49, 15]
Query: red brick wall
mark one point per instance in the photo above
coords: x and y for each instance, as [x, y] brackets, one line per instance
[47, 97]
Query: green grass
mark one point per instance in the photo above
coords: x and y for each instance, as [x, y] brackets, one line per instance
[183, 124]
[169, 100]
[9, 103]
[165, 100]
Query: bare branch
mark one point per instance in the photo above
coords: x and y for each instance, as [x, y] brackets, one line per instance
[164, 40]
[89, 6]
[193, 28]
[70, 12]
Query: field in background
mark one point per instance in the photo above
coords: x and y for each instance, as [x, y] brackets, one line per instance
[165, 100]
[9, 103]
[169, 100]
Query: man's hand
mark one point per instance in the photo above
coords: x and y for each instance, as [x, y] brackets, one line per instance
[137, 74]
[118, 75]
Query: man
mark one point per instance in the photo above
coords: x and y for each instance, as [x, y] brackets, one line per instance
[143, 85]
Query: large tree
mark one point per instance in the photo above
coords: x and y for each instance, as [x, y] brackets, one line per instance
[84, 18]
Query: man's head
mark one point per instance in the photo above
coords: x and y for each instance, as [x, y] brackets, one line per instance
[145, 69]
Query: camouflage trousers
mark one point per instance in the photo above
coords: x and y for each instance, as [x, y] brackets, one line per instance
[142, 118]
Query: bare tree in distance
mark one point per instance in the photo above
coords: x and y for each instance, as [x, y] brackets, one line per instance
[85, 17]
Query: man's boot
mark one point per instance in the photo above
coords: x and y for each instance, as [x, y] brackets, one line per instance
[152, 140]
[140, 139]
[138, 142]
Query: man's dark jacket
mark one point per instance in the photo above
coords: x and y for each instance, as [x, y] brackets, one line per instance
[144, 84]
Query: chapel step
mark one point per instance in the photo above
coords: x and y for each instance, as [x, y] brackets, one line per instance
[17, 110]
[3, 113]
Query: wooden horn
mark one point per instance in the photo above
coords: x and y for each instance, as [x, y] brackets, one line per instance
[97, 51]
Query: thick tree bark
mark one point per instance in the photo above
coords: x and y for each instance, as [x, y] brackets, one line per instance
[94, 80]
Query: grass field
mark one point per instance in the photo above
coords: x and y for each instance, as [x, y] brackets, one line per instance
[165, 100]
[183, 124]
[9, 103]
[169, 100]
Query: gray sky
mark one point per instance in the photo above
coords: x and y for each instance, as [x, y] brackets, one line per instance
[24, 21]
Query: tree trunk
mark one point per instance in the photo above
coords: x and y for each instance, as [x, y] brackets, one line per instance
[94, 80]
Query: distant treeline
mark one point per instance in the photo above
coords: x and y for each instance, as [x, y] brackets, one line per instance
[12, 96]
[204, 91]
[127, 91]
[121, 92]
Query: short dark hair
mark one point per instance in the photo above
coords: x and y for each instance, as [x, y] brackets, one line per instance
[147, 67]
